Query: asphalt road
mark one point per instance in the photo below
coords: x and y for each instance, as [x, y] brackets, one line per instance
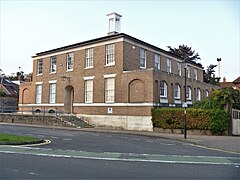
[94, 155]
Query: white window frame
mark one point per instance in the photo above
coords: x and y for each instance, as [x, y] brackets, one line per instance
[179, 68]
[53, 68]
[156, 61]
[189, 93]
[163, 89]
[52, 92]
[142, 58]
[109, 89]
[88, 90]
[70, 61]
[206, 93]
[195, 73]
[110, 54]
[188, 72]
[89, 58]
[198, 94]
[38, 93]
[177, 91]
[39, 66]
[169, 66]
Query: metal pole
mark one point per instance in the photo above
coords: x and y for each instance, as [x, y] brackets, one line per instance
[185, 108]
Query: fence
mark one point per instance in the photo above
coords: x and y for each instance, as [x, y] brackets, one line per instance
[235, 122]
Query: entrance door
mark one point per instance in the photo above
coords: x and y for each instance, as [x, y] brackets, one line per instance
[68, 99]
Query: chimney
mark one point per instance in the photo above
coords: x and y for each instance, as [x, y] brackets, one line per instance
[114, 23]
[224, 79]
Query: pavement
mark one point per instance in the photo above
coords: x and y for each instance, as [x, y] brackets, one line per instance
[229, 144]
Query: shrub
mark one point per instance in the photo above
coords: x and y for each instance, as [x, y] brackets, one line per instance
[215, 120]
[219, 121]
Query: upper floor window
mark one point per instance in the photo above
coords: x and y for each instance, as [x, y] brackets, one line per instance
[195, 73]
[52, 95]
[157, 61]
[169, 66]
[89, 58]
[177, 91]
[163, 89]
[53, 64]
[109, 90]
[38, 93]
[189, 93]
[142, 58]
[39, 66]
[188, 71]
[70, 61]
[89, 91]
[110, 54]
[179, 69]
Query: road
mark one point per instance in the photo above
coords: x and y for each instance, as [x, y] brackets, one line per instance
[76, 154]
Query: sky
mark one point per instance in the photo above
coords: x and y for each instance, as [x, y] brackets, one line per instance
[210, 27]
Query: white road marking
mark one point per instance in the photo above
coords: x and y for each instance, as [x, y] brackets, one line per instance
[54, 137]
[67, 139]
[15, 170]
[31, 173]
[149, 141]
[136, 139]
[167, 144]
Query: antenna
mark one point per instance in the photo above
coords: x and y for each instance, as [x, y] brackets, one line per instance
[219, 60]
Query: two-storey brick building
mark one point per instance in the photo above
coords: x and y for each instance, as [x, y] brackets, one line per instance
[112, 81]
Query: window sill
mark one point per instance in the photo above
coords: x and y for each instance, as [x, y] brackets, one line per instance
[39, 75]
[107, 65]
[52, 72]
[89, 67]
[69, 70]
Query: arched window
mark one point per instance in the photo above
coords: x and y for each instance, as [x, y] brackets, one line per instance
[206, 93]
[163, 89]
[189, 93]
[198, 94]
[177, 91]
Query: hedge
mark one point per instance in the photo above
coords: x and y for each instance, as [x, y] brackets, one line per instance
[197, 119]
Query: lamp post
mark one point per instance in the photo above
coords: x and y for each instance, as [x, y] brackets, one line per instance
[185, 101]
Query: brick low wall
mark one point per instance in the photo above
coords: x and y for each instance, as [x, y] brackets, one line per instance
[30, 119]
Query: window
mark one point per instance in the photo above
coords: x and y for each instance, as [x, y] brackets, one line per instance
[52, 97]
[53, 64]
[179, 69]
[198, 94]
[163, 89]
[40, 64]
[206, 93]
[89, 58]
[88, 91]
[169, 64]
[142, 58]
[109, 89]
[195, 73]
[69, 61]
[38, 93]
[177, 91]
[189, 93]
[157, 61]
[110, 54]
[188, 71]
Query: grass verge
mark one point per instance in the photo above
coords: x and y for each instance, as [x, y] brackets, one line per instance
[17, 140]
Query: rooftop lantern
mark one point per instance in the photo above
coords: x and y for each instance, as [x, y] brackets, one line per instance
[114, 23]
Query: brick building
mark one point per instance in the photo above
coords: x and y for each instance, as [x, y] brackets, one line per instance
[112, 81]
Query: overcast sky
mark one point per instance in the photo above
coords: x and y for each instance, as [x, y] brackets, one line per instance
[210, 27]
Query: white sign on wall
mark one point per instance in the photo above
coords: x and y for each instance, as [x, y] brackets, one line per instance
[110, 110]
